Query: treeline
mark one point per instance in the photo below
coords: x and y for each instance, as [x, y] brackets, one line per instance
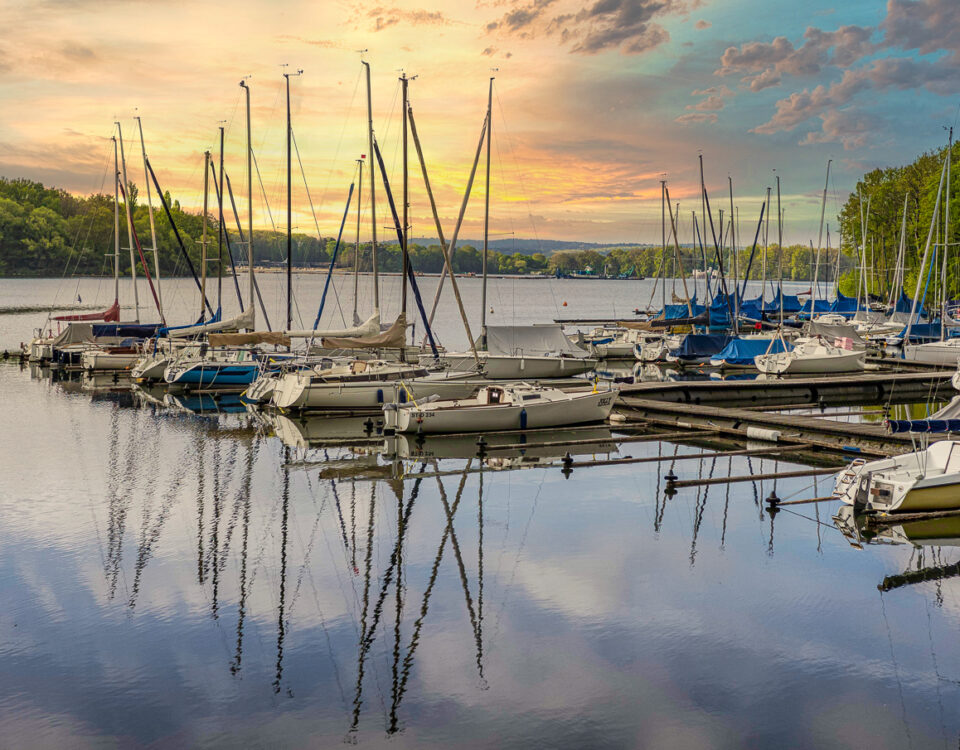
[879, 200]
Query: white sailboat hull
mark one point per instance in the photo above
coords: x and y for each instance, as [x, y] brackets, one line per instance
[98, 360]
[304, 390]
[786, 364]
[935, 353]
[577, 409]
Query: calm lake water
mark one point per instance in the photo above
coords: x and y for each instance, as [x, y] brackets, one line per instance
[223, 580]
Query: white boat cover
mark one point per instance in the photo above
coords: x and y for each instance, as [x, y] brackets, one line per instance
[535, 341]
[243, 320]
[75, 333]
[370, 327]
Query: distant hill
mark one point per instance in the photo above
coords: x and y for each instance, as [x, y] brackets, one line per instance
[529, 247]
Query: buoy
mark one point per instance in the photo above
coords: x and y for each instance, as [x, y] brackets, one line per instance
[564, 303]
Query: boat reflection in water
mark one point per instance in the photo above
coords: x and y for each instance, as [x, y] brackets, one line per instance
[927, 536]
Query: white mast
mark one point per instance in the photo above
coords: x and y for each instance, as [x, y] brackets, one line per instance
[946, 243]
[127, 199]
[356, 254]
[203, 240]
[153, 228]
[116, 224]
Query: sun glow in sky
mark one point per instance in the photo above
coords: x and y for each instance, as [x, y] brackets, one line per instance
[594, 103]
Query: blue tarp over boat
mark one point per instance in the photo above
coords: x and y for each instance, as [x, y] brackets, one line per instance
[674, 312]
[698, 346]
[740, 352]
[751, 308]
[905, 305]
[791, 303]
[820, 306]
[720, 311]
[844, 305]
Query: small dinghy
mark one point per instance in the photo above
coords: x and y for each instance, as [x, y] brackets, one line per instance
[501, 407]
[926, 480]
[812, 356]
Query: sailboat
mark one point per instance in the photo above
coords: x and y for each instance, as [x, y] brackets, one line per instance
[811, 355]
[925, 480]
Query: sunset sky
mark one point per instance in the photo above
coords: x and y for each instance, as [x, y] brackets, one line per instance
[593, 102]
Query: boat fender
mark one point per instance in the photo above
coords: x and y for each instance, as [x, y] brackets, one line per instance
[758, 433]
[379, 395]
[523, 419]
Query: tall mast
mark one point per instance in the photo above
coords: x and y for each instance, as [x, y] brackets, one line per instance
[663, 245]
[780, 248]
[126, 201]
[116, 224]
[486, 216]
[766, 245]
[816, 267]
[405, 249]
[373, 194]
[356, 253]
[221, 231]
[246, 90]
[946, 242]
[153, 229]
[203, 240]
[735, 264]
[286, 77]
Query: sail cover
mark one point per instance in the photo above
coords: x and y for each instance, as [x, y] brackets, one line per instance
[370, 327]
[244, 320]
[277, 338]
[390, 339]
[534, 341]
[110, 315]
[699, 345]
[945, 420]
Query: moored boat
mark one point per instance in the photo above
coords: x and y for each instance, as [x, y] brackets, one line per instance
[502, 407]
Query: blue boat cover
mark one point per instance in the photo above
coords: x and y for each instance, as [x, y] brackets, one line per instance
[700, 345]
[126, 330]
[720, 311]
[673, 312]
[742, 351]
[920, 332]
[751, 308]
[821, 306]
[924, 425]
[905, 305]
[844, 305]
[791, 303]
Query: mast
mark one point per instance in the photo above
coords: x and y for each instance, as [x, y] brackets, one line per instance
[926, 253]
[946, 242]
[203, 240]
[373, 195]
[816, 267]
[766, 245]
[286, 77]
[116, 225]
[404, 248]
[486, 217]
[780, 249]
[126, 201]
[663, 244]
[356, 253]
[735, 264]
[246, 90]
[221, 230]
[153, 228]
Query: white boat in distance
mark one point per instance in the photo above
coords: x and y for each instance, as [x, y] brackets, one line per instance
[534, 352]
[925, 480]
[934, 352]
[812, 356]
[501, 407]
